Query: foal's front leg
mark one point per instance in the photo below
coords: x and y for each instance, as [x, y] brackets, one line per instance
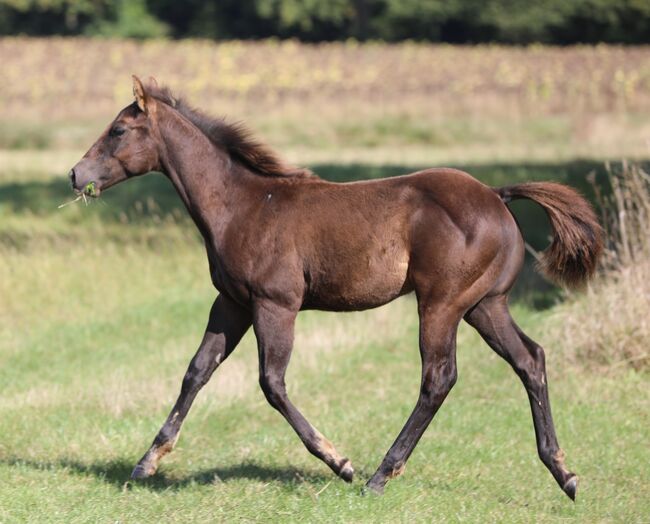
[227, 324]
[438, 324]
[274, 328]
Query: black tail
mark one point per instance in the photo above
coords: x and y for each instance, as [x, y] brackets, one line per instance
[577, 244]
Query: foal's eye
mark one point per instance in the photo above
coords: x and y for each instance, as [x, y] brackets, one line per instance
[116, 131]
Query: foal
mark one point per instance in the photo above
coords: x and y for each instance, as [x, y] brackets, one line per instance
[280, 240]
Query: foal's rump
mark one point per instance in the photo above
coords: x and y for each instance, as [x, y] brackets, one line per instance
[577, 236]
[464, 241]
[475, 238]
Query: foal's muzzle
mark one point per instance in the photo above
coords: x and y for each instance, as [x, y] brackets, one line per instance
[83, 180]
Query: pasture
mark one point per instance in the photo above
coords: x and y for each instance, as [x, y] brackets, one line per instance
[101, 307]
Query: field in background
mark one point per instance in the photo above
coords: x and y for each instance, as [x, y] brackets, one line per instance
[399, 104]
[609, 324]
[101, 307]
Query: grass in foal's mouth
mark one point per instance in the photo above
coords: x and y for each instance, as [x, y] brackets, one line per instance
[80, 196]
[89, 190]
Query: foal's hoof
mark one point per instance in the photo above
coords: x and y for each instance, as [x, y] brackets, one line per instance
[142, 471]
[570, 487]
[372, 488]
[347, 471]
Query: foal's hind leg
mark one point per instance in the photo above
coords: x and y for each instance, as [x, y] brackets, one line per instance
[274, 328]
[492, 320]
[438, 325]
[228, 323]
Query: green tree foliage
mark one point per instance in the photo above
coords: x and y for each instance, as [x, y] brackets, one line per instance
[119, 18]
[49, 16]
[131, 19]
[455, 21]
[314, 18]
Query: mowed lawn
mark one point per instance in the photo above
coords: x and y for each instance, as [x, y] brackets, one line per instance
[101, 311]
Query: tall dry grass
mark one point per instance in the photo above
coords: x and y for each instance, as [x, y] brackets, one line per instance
[609, 325]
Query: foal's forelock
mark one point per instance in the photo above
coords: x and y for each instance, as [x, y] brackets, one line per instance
[234, 138]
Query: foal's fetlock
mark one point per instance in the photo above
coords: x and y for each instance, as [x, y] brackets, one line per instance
[567, 480]
[378, 481]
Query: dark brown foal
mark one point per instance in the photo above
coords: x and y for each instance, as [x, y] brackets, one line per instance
[280, 240]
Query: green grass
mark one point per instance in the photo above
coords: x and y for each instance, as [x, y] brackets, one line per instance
[103, 307]
[83, 399]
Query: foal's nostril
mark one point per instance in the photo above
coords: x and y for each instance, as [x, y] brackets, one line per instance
[73, 177]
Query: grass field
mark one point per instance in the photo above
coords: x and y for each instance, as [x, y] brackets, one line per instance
[102, 307]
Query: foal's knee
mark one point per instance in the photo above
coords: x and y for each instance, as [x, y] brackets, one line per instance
[195, 378]
[201, 367]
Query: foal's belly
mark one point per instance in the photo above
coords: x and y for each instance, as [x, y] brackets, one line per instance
[370, 283]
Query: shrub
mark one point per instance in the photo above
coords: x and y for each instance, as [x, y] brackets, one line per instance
[609, 325]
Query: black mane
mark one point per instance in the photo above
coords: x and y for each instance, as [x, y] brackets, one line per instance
[235, 138]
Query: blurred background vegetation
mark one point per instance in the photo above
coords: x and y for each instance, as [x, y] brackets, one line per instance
[451, 21]
[354, 89]
[101, 307]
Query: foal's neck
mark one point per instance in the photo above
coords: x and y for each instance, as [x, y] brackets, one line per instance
[202, 174]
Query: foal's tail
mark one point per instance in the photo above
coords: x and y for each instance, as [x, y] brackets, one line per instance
[577, 236]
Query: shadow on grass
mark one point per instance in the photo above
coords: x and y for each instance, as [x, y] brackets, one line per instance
[117, 473]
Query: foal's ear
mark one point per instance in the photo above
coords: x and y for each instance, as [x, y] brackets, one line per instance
[140, 95]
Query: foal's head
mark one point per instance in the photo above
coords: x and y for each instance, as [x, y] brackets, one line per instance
[127, 148]
[130, 145]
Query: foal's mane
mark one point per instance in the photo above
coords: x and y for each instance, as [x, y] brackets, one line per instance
[235, 138]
